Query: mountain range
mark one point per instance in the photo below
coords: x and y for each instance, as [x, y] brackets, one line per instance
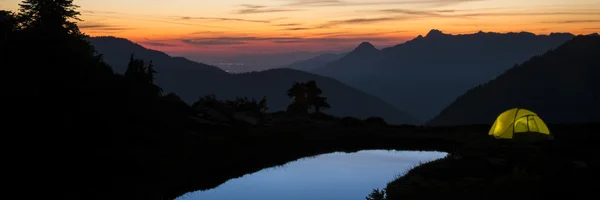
[314, 63]
[422, 76]
[561, 86]
[425, 74]
[190, 80]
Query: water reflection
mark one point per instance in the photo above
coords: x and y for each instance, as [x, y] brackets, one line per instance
[344, 176]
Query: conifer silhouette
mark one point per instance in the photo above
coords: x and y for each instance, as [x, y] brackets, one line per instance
[53, 17]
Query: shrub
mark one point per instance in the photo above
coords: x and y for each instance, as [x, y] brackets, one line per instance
[351, 121]
[322, 116]
[376, 121]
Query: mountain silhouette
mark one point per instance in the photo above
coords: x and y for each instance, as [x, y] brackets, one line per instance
[365, 48]
[561, 86]
[435, 33]
[117, 51]
[190, 80]
[314, 63]
[424, 75]
[354, 66]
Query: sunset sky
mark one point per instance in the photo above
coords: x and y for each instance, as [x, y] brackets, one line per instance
[243, 26]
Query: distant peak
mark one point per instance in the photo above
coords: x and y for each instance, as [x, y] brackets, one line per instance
[364, 48]
[527, 33]
[595, 34]
[365, 45]
[434, 33]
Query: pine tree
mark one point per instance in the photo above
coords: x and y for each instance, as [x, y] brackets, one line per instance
[151, 73]
[8, 24]
[51, 17]
[377, 194]
[64, 60]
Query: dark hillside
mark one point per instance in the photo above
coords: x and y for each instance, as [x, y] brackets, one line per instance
[562, 86]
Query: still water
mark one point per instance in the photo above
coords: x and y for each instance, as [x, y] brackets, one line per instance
[344, 176]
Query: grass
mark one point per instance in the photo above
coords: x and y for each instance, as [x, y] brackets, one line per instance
[507, 170]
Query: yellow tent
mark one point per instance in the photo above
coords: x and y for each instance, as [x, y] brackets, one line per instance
[517, 121]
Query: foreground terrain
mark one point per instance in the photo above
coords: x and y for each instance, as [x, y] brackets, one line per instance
[477, 165]
[509, 170]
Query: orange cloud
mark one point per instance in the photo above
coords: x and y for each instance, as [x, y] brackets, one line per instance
[298, 25]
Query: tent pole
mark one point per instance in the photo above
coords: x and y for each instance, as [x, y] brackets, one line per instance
[514, 124]
[528, 124]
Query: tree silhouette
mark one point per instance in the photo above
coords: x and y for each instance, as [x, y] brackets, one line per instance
[245, 104]
[64, 59]
[242, 104]
[376, 194]
[54, 18]
[305, 96]
[8, 24]
[314, 97]
[143, 75]
[151, 73]
[137, 70]
[230, 108]
[263, 105]
[205, 101]
[313, 90]
[319, 103]
[298, 92]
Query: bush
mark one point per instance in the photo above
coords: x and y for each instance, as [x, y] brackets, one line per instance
[296, 109]
[376, 121]
[351, 121]
[322, 117]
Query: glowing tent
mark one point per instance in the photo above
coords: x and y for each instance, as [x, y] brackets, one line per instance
[517, 122]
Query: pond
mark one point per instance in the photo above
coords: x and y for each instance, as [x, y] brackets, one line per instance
[345, 176]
